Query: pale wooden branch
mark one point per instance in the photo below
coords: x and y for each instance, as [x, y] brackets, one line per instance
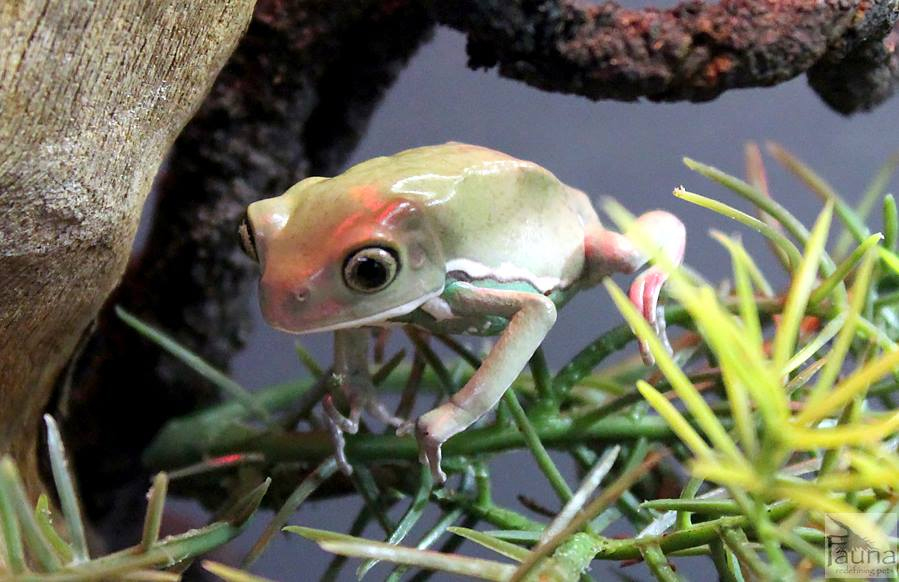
[91, 97]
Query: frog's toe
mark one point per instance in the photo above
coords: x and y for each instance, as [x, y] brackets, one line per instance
[406, 428]
[379, 411]
[349, 425]
[644, 294]
[429, 452]
[336, 431]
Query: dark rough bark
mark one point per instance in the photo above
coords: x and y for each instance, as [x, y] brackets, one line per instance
[694, 51]
[863, 79]
[293, 100]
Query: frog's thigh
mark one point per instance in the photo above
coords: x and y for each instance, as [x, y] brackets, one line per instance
[530, 317]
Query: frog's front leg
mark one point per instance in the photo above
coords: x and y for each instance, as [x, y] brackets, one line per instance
[354, 380]
[609, 252]
[530, 317]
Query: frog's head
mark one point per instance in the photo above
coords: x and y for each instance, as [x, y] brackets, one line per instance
[336, 256]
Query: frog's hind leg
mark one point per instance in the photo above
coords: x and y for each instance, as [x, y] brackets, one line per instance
[354, 380]
[530, 317]
[609, 252]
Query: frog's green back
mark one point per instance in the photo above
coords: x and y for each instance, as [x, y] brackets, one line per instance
[493, 213]
[498, 213]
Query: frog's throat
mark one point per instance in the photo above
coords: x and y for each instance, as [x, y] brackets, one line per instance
[375, 319]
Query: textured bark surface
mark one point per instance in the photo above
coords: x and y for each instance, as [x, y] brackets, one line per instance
[293, 100]
[694, 51]
[91, 97]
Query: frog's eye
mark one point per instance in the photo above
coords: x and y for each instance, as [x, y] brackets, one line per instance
[247, 239]
[370, 269]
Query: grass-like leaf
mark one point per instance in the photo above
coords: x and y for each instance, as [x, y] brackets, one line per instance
[772, 234]
[306, 488]
[155, 506]
[34, 537]
[843, 269]
[229, 574]
[362, 548]
[501, 547]
[816, 183]
[200, 366]
[588, 485]
[409, 519]
[801, 288]
[756, 197]
[681, 384]
[65, 488]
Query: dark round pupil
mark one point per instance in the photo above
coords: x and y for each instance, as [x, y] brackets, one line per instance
[370, 272]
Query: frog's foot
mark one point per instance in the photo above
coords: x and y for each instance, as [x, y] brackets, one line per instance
[669, 235]
[429, 450]
[644, 294]
[337, 425]
[377, 409]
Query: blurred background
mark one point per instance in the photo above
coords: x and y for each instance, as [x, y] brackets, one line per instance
[631, 151]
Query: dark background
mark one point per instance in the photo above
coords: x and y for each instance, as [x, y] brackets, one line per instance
[631, 151]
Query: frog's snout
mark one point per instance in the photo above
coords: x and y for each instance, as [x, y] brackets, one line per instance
[262, 222]
[284, 306]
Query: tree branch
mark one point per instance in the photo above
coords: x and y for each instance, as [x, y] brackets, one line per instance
[694, 51]
[293, 100]
[91, 97]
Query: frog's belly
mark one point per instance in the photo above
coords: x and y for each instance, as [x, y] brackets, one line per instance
[487, 325]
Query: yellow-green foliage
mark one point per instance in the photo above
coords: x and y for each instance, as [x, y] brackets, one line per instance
[778, 406]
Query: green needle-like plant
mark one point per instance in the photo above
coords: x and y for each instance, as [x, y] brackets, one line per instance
[34, 549]
[775, 411]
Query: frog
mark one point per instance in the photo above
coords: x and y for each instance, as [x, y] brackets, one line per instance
[452, 239]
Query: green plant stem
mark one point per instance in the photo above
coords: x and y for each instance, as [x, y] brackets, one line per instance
[543, 379]
[725, 562]
[491, 513]
[38, 545]
[315, 446]
[570, 560]
[683, 519]
[358, 526]
[658, 563]
[167, 552]
[296, 498]
[367, 488]
[227, 385]
[532, 439]
[409, 519]
[155, 506]
[736, 540]
[429, 539]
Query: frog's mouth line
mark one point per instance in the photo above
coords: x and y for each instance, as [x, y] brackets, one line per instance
[375, 319]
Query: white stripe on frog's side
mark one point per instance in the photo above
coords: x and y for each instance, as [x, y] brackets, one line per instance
[505, 273]
[438, 308]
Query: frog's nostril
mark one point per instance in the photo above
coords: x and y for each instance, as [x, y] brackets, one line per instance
[301, 294]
